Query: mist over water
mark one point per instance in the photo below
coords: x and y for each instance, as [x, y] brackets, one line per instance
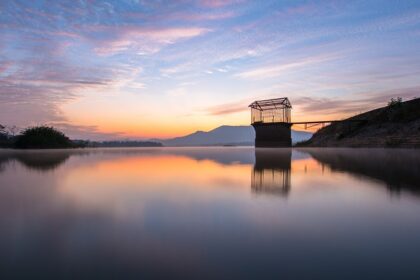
[225, 213]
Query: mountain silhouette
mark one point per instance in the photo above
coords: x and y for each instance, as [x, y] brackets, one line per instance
[225, 135]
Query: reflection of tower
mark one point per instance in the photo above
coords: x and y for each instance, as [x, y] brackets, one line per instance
[271, 172]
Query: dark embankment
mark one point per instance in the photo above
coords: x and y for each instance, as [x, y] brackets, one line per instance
[396, 125]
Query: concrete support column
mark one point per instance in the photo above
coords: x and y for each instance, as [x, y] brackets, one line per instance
[273, 134]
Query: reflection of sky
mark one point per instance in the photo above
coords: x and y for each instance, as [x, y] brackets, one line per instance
[146, 68]
[181, 213]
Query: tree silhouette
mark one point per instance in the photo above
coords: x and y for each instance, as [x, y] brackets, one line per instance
[42, 137]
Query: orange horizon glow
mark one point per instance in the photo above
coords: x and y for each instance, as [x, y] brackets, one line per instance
[166, 126]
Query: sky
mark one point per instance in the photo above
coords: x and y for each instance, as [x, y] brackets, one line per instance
[133, 69]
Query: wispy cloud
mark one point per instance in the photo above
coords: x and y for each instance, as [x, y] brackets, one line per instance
[143, 40]
[177, 92]
[219, 3]
[184, 16]
[229, 108]
[176, 69]
[87, 132]
[276, 70]
[347, 107]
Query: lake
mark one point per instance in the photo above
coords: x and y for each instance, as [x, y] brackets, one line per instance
[217, 212]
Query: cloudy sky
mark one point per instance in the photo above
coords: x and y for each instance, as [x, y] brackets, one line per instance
[140, 69]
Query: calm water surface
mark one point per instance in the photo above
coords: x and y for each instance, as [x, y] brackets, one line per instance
[220, 213]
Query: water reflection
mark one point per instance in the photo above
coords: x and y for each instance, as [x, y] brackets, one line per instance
[398, 169]
[46, 160]
[35, 160]
[272, 171]
[190, 213]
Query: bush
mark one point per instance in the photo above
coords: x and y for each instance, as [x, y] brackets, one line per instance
[395, 102]
[396, 111]
[5, 138]
[42, 137]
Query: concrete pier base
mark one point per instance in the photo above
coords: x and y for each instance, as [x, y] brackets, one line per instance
[273, 134]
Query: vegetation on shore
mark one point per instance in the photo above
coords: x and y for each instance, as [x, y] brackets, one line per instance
[44, 137]
[114, 144]
[395, 125]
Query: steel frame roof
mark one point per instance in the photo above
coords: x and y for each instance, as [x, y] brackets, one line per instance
[271, 104]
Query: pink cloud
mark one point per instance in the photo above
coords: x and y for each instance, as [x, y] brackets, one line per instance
[300, 10]
[219, 3]
[33, 92]
[229, 108]
[359, 103]
[63, 34]
[274, 70]
[41, 14]
[86, 132]
[207, 16]
[144, 40]
[168, 33]
[183, 16]
[4, 65]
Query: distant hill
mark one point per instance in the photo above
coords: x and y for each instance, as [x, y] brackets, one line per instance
[225, 135]
[396, 125]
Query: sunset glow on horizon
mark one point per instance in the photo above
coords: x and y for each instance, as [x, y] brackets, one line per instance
[136, 69]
